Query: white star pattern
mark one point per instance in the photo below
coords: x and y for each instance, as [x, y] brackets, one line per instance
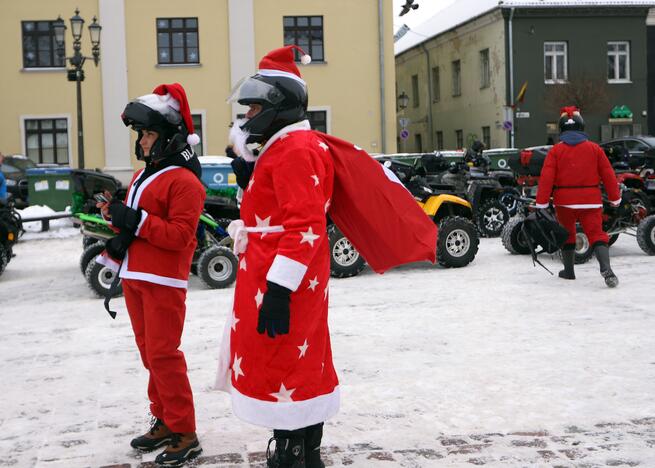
[323, 145]
[259, 297]
[325, 293]
[303, 349]
[309, 236]
[315, 177]
[242, 264]
[327, 205]
[266, 222]
[235, 320]
[236, 367]
[283, 395]
[313, 283]
[250, 184]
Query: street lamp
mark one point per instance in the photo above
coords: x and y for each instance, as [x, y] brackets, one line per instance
[403, 101]
[76, 73]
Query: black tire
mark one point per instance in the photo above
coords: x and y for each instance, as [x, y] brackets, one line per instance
[491, 217]
[583, 250]
[513, 238]
[646, 234]
[5, 255]
[345, 261]
[99, 279]
[217, 267]
[457, 242]
[88, 240]
[89, 253]
[613, 238]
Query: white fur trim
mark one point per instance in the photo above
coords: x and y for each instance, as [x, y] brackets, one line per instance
[294, 127]
[615, 202]
[542, 205]
[286, 415]
[165, 104]
[582, 207]
[286, 272]
[144, 215]
[268, 72]
[108, 262]
[193, 139]
[150, 277]
[306, 59]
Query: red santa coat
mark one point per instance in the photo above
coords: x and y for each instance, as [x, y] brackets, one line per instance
[289, 381]
[573, 173]
[171, 201]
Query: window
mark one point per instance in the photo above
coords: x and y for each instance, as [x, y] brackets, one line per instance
[457, 78]
[307, 33]
[318, 120]
[436, 85]
[418, 143]
[39, 48]
[485, 72]
[197, 126]
[618, 61]
[177, 41]
[46, 140]
[439, 140]
[459, 139]
[415, 99]
[555, 62]
[486, 137]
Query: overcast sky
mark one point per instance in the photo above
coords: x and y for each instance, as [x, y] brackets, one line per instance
[426, 9]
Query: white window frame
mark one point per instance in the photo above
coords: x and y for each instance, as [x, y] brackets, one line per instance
[328, 115]
[616, 55]
[553, 56]
[23, 118]
[203, 119]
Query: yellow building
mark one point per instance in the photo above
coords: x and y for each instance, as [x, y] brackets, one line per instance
[207, 45]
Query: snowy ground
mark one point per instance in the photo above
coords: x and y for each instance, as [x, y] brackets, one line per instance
[496, 364]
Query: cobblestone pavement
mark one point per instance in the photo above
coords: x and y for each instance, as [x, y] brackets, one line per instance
[606, 444]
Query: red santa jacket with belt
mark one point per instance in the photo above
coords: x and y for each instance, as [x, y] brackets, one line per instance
[572, 174]
[171, 201]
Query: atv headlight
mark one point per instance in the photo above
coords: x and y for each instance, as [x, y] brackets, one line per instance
[11, 183]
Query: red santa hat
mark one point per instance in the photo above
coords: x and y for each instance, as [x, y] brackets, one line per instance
[170, 99]
[569, 111]
[281, 62]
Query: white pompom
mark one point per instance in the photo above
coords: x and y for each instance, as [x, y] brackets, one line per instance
[193, 139]
[305, 59]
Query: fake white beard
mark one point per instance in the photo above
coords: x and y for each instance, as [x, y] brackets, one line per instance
[238, 139]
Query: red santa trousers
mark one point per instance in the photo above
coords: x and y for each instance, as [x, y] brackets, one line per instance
[157, 314]
[591, 220]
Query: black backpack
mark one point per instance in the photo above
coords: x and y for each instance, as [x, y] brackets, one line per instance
[541, 230]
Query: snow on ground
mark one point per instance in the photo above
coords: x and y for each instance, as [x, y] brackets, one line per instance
[498, 363]
[58, 227]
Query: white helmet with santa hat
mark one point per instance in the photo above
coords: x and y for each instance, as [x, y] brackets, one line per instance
[166, 111]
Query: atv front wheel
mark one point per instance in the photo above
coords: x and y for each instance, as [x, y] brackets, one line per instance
[513, 238]
[5, 255]
[646, 234]
[492, 217]
[217, 267]
[345, 261]
[90, 253]
[457, 242]
[99, 278]
[583, 250]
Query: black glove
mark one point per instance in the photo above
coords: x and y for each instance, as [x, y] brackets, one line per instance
[242, 168]
[274, 313]
[124, 217]
[117, 246]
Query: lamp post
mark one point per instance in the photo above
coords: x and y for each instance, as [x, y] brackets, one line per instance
[403, 101]
[76, 73]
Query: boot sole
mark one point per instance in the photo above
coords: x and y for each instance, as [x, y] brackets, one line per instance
[188, 456]
[150, 448]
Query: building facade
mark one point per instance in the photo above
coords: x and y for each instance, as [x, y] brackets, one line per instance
[562, 53]
[207, 45]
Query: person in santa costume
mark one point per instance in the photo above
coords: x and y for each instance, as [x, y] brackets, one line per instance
[153, 250]
[572, 173]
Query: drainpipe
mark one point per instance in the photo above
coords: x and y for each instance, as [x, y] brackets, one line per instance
[383, 107]
[511, 75]
[430, 129]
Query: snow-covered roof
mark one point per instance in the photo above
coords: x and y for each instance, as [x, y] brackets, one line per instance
[462, 11]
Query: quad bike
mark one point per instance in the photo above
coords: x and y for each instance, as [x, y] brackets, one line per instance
[11, 228]
[457, 238]
[213, 260]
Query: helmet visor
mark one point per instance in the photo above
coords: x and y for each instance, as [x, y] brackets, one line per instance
[140, 116]
[251, 90]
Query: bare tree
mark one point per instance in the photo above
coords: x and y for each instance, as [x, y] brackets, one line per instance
[590, 95]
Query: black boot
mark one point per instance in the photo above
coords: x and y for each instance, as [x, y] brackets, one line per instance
[289, 449]
[602, 252]
[158, 436]
[313, 436]
[568, 259]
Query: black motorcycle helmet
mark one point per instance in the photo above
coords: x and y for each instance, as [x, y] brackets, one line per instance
[570, 119]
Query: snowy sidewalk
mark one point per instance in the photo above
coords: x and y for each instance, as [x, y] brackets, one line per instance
[496, 364]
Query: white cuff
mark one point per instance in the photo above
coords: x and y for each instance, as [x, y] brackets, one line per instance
[144, 215]
[542, 205]
[615, 202]
[286, 272]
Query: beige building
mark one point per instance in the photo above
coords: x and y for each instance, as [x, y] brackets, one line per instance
[207, 45]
